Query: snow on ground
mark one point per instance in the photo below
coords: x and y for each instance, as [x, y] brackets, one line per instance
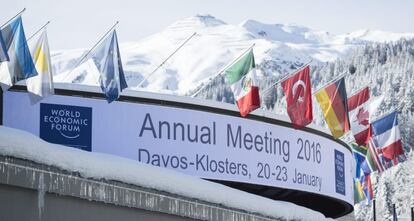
[21, 144]
[214, 46]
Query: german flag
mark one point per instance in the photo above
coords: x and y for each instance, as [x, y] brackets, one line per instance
[333, 102]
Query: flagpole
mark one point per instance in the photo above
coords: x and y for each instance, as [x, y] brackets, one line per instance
[4, 24]
[35, 33]
[93, 47]
[223, 69]
[329, 82]
[284, 78]
[148, 76]
[38, 30]
[373, 210]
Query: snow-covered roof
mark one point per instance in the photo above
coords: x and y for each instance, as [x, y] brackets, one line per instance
[23, 145]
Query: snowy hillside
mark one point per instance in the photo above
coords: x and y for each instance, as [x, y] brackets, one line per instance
[281, 48]
[394, 186]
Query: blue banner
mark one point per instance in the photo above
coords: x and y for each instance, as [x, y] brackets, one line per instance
[339, 172]
[66, 125]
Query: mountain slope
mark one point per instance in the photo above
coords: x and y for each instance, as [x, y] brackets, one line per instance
[281, 48]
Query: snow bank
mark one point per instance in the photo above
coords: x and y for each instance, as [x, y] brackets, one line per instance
[21, 144]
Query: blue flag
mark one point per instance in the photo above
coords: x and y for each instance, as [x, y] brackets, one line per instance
[3, 50]
[108, 61]
[21, 64]
[359, 153]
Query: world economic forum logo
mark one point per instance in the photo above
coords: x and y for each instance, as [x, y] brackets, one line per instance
[339, 172]
[66, 125]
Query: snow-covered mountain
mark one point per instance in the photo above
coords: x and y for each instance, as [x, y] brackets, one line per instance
[280, 47]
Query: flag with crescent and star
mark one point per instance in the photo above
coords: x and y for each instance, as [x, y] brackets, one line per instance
[298, 93]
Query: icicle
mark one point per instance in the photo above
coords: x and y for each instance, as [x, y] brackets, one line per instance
[41, 195]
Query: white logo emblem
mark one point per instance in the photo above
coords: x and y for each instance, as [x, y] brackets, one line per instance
[246, 83]
[294, 89]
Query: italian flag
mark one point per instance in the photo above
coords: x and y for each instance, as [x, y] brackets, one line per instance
[242, 79]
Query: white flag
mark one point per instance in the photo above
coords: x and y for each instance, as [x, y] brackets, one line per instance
[41, 85]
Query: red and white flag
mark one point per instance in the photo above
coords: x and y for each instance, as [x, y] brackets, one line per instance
[386, 137]
[299, 98]
[360, 111]
[242, 79]
[359, 115]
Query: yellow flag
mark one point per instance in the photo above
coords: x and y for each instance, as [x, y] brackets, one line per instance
[41, 85]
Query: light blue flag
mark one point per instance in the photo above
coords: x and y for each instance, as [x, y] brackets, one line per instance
[108, 61]
[20, 63]
[3, 51]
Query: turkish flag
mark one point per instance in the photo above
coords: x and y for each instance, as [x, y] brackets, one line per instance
[299, 98]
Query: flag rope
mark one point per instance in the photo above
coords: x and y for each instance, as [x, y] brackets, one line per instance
[222, 70]
[7, 22]
[264, 92]
[162, 63]
[89, 51]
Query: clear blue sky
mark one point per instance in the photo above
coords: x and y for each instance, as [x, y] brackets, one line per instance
[79, 23]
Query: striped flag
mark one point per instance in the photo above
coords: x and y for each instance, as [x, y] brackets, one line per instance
[21, 65]
[242, 79]
[333, 102]
[386, 138]
[367, 187]
[372, 163]
[3, 50]
[359, 153]
[359, 194]
[41, 85]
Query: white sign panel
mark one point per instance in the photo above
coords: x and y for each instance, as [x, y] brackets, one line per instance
[198, 143]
